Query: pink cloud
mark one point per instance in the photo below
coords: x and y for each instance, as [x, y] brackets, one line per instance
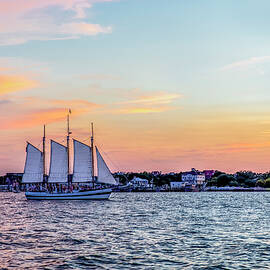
[17, 7]
[24, 20]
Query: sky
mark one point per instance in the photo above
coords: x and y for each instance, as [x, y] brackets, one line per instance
[169, 84]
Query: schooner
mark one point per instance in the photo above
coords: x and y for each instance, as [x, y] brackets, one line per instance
[59, 171]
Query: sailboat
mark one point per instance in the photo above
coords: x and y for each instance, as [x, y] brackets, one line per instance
[59, 182]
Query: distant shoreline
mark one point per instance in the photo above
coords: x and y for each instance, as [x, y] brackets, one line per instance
[182, 191]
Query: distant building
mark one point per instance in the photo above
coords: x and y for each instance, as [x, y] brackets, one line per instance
[139, 182]
[200, 179]
[209, 174]
[193, 177]
[177, 185]
[189, 177]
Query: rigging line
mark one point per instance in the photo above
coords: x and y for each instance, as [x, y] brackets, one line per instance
[88, 138]
[112, 162]
[98, 134]
[101, 145]
[39, 144]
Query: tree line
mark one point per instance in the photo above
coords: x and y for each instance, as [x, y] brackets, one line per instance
[219, 179]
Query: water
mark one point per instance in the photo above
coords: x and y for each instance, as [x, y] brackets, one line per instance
[137, 231]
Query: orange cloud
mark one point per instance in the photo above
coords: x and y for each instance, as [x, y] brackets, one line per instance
[13, 83]
[75, 103]
[51, 111]
[37, 118]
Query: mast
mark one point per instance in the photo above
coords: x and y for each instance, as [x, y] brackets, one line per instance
[92, 152]
[68, 133]
[44, 153]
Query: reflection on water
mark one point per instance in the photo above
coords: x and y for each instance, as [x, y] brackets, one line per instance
[137, 231]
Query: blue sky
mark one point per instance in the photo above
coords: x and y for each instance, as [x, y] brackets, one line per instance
[171, 65]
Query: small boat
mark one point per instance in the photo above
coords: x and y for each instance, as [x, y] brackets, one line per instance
[60, 183]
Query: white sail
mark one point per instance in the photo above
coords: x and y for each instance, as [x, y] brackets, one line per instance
[33, 169]
[82, 168]
[104, 174]
[59, 163]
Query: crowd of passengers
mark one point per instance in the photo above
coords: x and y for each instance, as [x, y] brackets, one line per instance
[58, 188]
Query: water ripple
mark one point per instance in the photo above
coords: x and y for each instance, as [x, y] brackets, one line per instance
[137, 231]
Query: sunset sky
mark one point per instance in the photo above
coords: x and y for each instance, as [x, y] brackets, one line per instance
[169, 84]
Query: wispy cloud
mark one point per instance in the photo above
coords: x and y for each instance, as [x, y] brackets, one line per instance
[154, 99]
[99, 77]
[251, 62]
[75, 103]
[24, 20]
[142, 110]
[266, 132]
[155, 102]
[240, 147]
[134, 100]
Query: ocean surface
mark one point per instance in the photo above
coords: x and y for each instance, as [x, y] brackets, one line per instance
[223, 230]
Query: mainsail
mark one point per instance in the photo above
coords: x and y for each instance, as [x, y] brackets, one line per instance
[59, 163]
[82, 168]
[104, 174]
[33, 170]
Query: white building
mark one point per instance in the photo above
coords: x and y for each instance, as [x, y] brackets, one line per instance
[138, 182]
[200, 179]
[193, 178]
[189, 177]
[177, 185]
